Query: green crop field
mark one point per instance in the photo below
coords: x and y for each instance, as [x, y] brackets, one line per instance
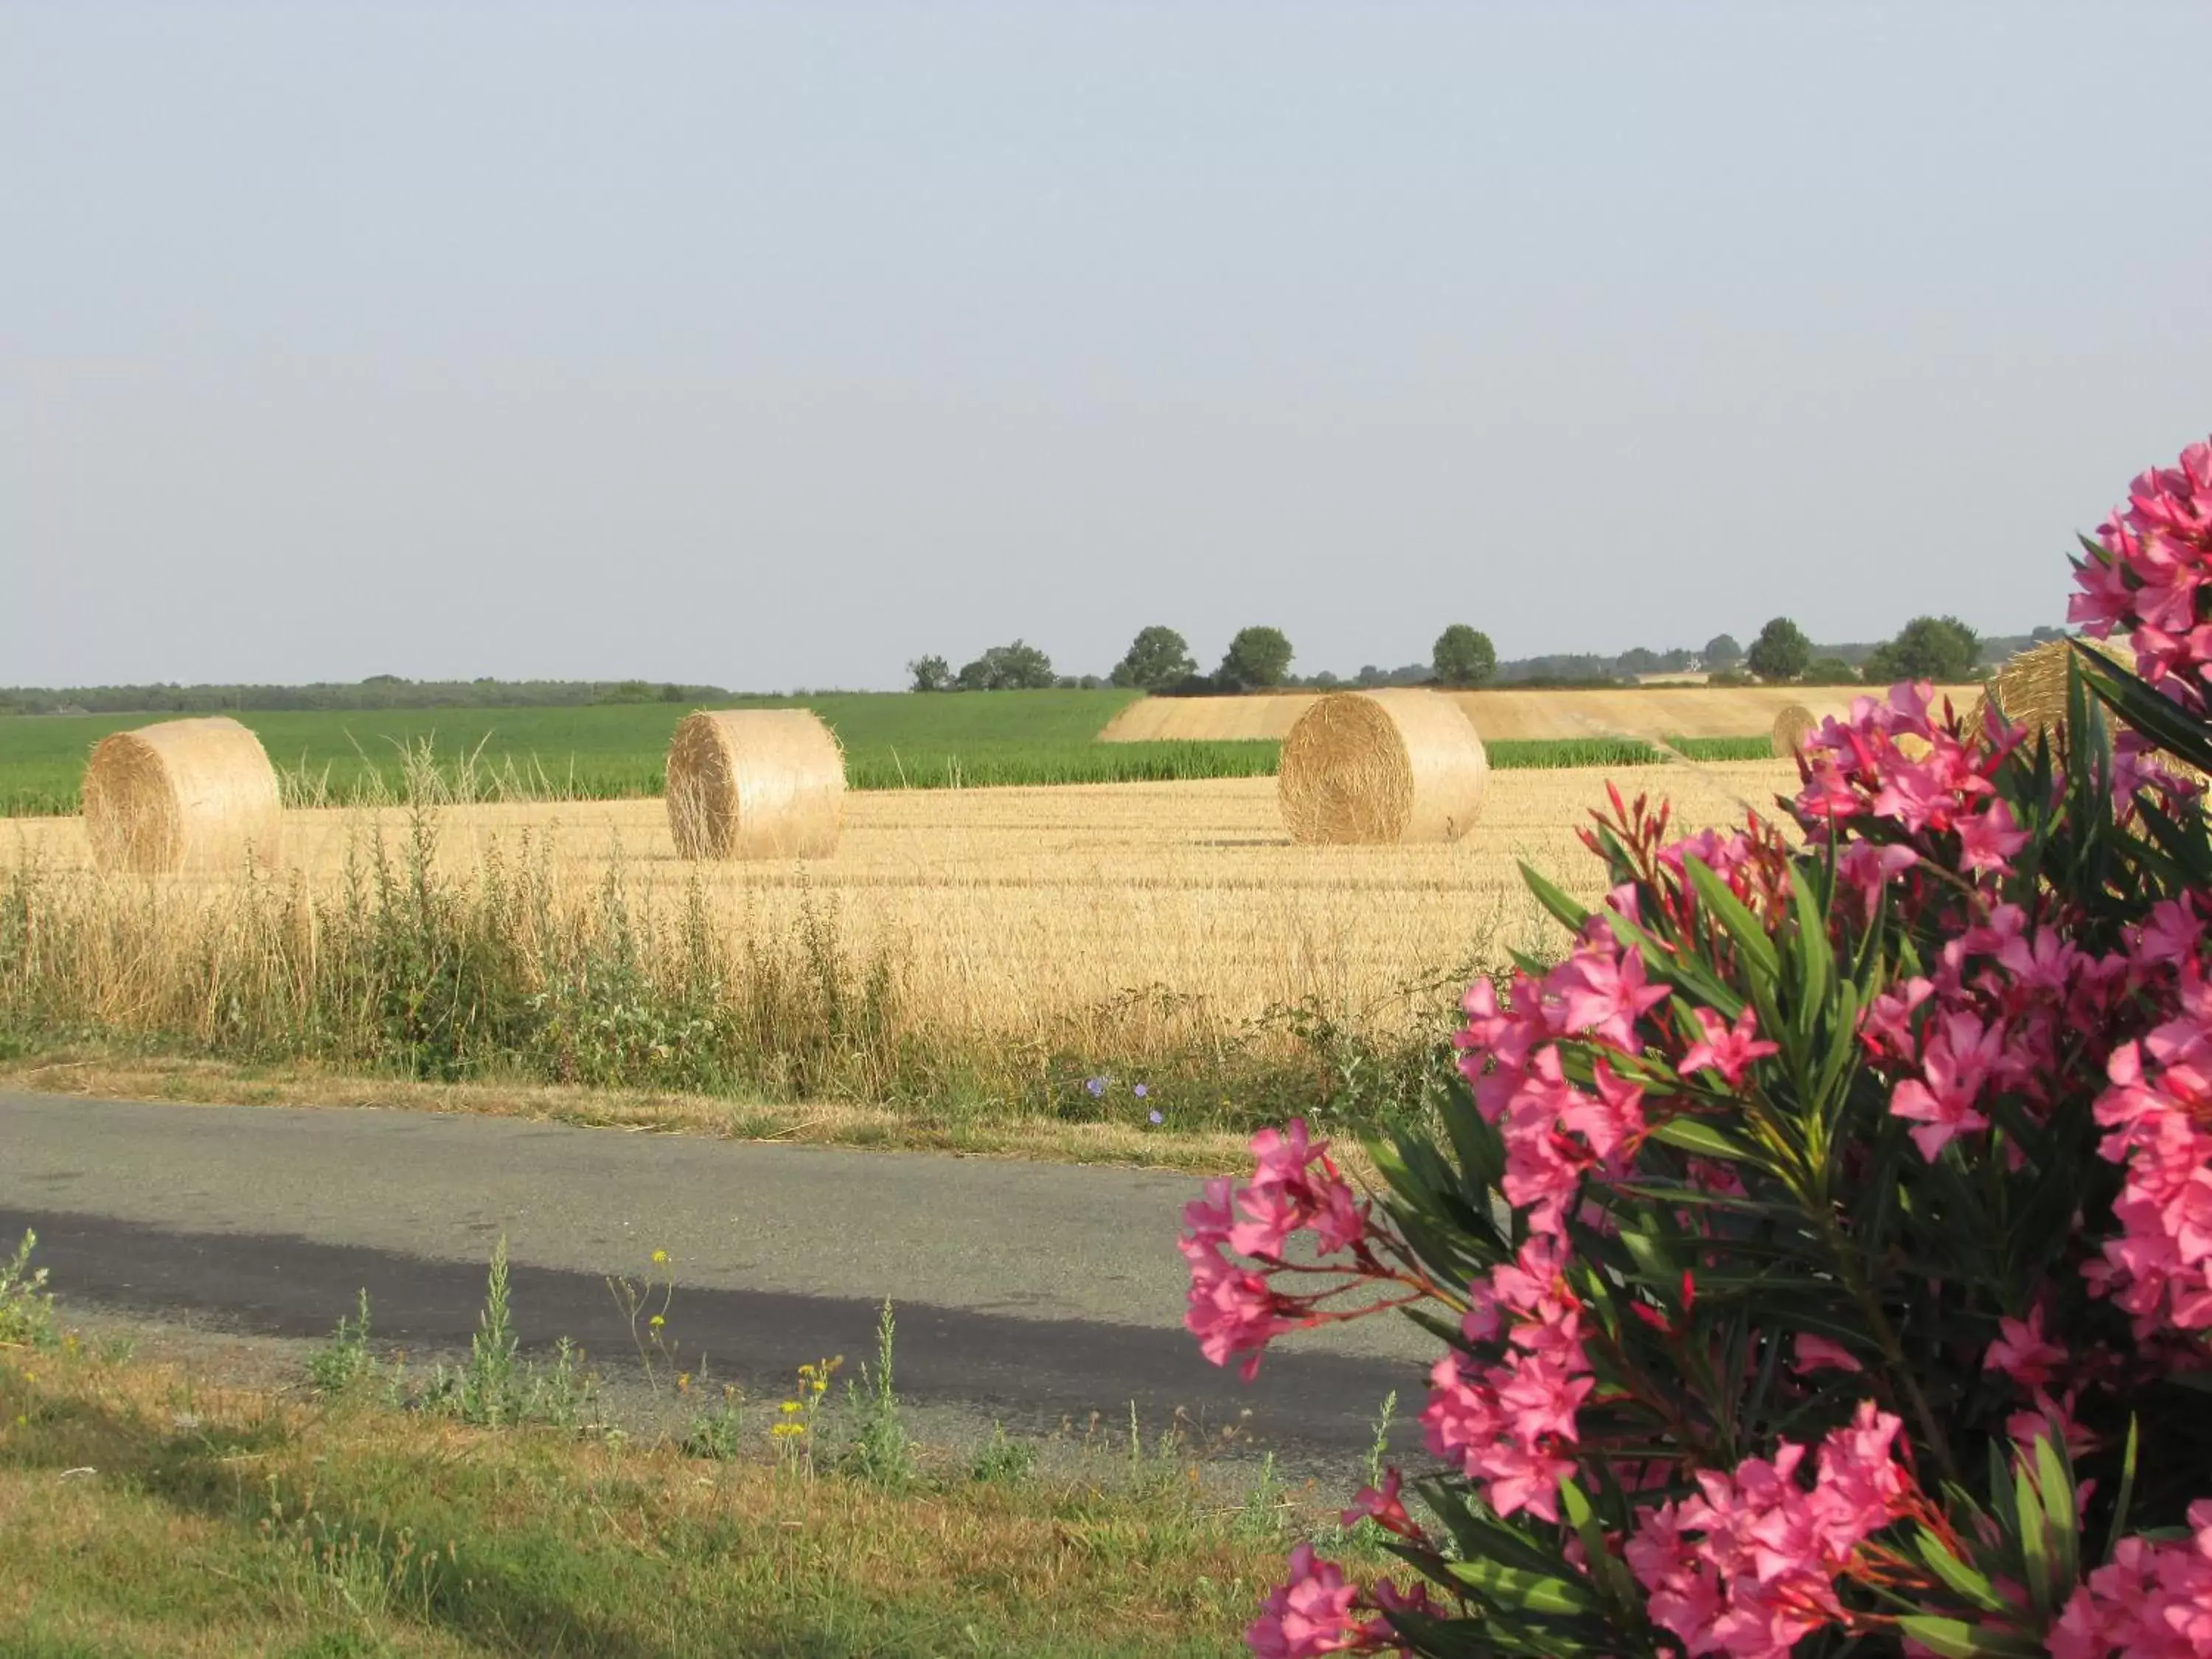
[892, 740]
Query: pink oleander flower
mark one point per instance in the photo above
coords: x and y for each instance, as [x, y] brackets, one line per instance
[1988, 839]
[1384, 1506]
[1729, 1049]
[2159, 1268]
[1555, 1133]
[1722, 853]
[1603, 993]
[1855, 768]
[1813, 1354]
[1544, 1165]
[1231, 1311]
[1886, 1024]
[1294, 1188]
[2051, 1420]
[1748, 1567]
[1495, 1032]
[1311, 1613]
[2150, 571]
[1870, 866]
[1609, 1121]
[2023, 1353]
[2152, 1601]
[1959, 1056]
[1508, 1426]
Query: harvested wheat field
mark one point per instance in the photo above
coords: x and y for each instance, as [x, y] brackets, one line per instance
[1652, 711]
[1037, 912]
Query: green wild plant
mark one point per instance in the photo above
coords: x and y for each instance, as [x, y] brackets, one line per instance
[718, 1433]
[1002, 1462]
[27, 1306]
[645, 1302]
[793, 1433]
[344, 1359]
[880, 1450]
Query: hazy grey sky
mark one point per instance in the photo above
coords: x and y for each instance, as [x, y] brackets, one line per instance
[773, 345]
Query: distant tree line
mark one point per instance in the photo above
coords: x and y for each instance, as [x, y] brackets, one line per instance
[1939, 648]
[1017, 667]
[1159, 661]
[378, 691]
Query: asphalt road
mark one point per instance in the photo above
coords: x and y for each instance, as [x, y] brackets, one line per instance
[1026, 1293]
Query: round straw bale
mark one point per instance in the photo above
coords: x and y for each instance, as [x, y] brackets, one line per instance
[756, 783]
[1382, 767]
[1793, 724]
[2031, 687]
[194, 795]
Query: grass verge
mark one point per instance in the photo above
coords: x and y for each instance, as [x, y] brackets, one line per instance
[505, 975]
[150, 1508]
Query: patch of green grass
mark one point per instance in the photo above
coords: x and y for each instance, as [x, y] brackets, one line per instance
[1760, 747]
[258, 1524]
[1530, 754]
[1539, 754]
[892, 741]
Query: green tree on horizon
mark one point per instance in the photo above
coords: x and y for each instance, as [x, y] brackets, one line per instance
[1157, 659]
[1464, 656]
[1939, 648]
[1257, 658]
[1781, 652]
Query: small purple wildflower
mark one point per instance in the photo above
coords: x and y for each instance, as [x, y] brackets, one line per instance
[1096, 1085]
[1141, 1092]
[1156, 1117]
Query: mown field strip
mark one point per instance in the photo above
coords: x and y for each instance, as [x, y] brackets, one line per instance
[1504, 716]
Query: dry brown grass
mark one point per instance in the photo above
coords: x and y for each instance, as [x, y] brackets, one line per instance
[1503, 716]
[1032, 911]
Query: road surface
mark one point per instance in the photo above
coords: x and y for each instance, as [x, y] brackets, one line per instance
[1026, 1293]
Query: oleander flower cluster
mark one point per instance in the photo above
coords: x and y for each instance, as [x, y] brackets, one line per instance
[1819, 1247]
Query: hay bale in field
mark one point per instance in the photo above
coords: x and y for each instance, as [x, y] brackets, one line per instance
[1793, 724]
[756, 783]
[196, 794]
[2031, 687]
[1382, 767]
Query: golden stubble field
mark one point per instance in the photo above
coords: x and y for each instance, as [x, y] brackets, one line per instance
[1649, 711]
[1024, 911]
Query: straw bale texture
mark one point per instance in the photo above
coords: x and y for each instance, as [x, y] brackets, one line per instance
[184, 795]
[2030, 688]
[1792, 725]
[1382, 768]
[756, 783]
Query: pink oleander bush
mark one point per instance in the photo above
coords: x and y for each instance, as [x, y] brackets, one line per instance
[1819, 1251]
